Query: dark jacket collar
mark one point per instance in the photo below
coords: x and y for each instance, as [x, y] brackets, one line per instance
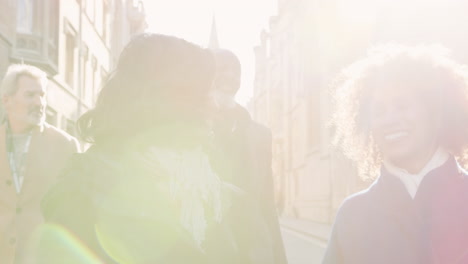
[391, 190]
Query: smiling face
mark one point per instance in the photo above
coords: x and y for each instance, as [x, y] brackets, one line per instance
[404, 127]
[26, 106]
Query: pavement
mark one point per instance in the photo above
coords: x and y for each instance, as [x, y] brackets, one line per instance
[305, 241]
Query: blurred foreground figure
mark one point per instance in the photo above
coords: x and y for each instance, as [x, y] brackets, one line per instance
[147, 190]
[402, 115]
[32, 153]
[247, 148]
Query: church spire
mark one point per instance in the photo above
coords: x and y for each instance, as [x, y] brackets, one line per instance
[213, 42]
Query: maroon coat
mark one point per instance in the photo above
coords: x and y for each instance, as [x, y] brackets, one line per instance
[383, 224]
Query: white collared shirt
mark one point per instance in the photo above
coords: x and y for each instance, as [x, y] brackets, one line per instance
[412, 181]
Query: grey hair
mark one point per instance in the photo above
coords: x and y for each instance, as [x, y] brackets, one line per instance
[10, 80]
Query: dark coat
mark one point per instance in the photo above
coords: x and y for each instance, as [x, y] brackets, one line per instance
[246, 146]
[108, 199]
[383, 224]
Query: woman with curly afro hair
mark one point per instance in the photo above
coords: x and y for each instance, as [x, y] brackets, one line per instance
[402, 115]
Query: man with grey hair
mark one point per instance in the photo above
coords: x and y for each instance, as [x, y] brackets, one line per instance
[32, 153]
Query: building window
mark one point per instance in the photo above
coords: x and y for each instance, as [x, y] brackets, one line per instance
[98, 83]
[53, 31]
[70, 127]
[84, 71]
[105, 22]
[93, 78]
[51, 116]
[90, 9]
[53, 20]
[98, 17]
[70, 59]
[25, 16]
[103, 76]
[314, 121]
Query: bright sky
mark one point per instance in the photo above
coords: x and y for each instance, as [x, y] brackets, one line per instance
[239, 23]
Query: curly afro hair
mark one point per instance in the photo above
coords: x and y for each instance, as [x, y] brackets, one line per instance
[443, 85]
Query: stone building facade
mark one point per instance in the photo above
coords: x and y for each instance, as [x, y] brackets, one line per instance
[76, 42]
[307, 44]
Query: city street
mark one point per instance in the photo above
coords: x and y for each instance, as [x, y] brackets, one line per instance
[302, 249]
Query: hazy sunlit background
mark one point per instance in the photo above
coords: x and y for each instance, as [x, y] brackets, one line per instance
[238, 25]
[306, 45]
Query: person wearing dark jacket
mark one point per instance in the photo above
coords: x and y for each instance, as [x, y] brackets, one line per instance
[246, 146]
[402, 115]
[147, 190]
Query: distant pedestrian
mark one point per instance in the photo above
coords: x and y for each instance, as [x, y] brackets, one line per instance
[247, 148]
[402, 116]
[32, 153]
